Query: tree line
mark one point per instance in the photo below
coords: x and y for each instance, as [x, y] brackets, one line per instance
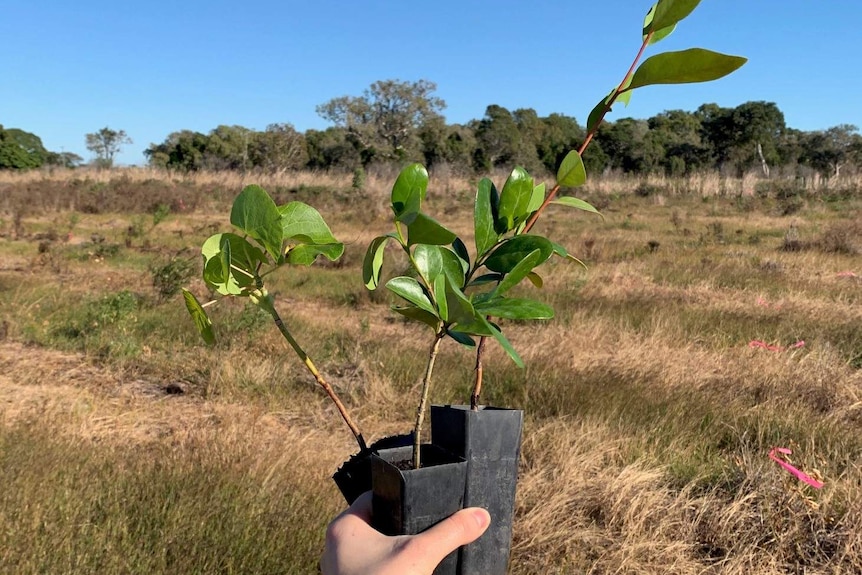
[396, 122]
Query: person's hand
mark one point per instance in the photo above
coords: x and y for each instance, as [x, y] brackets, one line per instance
[353, 547]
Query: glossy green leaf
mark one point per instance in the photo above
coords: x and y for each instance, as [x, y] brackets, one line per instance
[199, 316]
[576, 203]
[486, 279]
[484, 217]
[515, 308]
[511, 252]
[429, 262]
[666, 13]
[461, 251]
[519, 272]
[515, 200]
[300, 223]
[256, 214]
[426, 230]
[305, 254]
[459, 306]
[420, 315]
[686, 66]
[408, 192]
[230, 273]
[441, 298]
[454, 267]
[412, 291]
[461, 338]
[537, 199]
[373, 262]
[572, 172]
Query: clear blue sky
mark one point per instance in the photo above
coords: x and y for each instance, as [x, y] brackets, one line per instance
[150, 68]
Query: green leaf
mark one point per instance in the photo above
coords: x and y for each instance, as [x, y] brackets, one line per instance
[200, 317]
[429, 262]
[537, 199]
[684, 67]
[373, 262]
[461, 338]
[511, 252]
[458, 305]
[536, 280]
[501, 339]
[666, 13]
[515, 308]
[572, 172]
[408, 192]
[412, 291]
[305, 254]
[417, 314]
[597, 113]
[426, 230]
[454, 267]
[461, 251]
[441, 297]
[519, 272]
[256, 214]
[514, 200]
[657, 35]
[230, 273]
[576, 203]
[303, 224]
[486, 279]
[484, 217]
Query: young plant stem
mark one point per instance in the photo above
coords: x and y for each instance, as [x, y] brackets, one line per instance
[264, 301]
[477, 385]
[426, 387]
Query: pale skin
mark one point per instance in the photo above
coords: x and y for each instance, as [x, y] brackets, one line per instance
[353, 547]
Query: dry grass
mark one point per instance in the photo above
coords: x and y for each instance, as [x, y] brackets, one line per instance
[649, 416]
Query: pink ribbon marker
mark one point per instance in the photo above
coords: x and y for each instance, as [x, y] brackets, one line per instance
[792, 470]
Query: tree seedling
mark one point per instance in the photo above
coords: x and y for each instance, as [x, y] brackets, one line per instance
[272, 237]
[456, 295]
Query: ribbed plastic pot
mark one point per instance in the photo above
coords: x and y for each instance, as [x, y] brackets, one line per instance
[353, 478]
[490, 441]
[409, 501]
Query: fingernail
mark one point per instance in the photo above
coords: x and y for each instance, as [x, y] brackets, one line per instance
[481, 517]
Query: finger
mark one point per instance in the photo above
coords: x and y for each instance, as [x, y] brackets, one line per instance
[361, 508]
[459, 529]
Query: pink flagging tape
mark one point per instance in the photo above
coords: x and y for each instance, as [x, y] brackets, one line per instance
[756, 343]
[847, 274]
[792, 470]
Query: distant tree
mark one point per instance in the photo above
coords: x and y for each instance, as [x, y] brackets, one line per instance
[105, 144]
[560, 134]
[679, 134]
[20, 150]
[828, 151]
[182, 150]
[385, 121]
[734, 133]
[332, 148]
[64, 159]
[497, 138]
[280, 146]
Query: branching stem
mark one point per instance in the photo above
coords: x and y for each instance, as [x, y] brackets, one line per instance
[477, 385]
[426, 387]
[264, 301]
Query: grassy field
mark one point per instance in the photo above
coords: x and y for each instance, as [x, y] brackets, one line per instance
[126, 446]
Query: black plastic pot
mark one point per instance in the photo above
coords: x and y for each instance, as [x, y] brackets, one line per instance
[490, 440]
[408, 501]
[353, 478]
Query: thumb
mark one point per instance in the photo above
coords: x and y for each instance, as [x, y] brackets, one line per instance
[459, 529]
